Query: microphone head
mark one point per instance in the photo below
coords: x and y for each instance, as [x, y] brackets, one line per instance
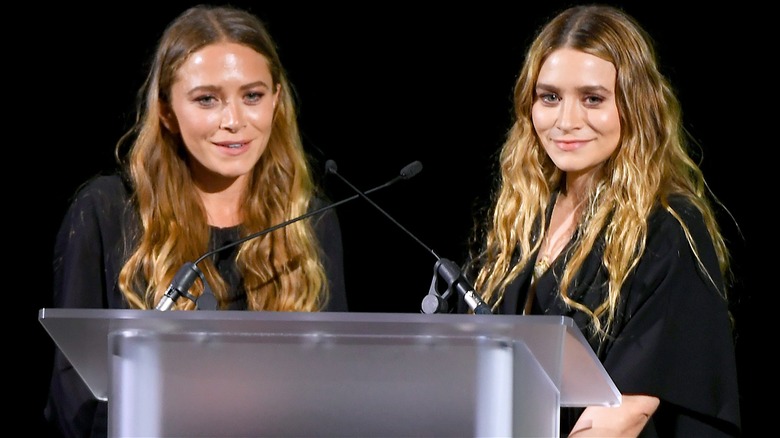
[410, 170]
[330, 166]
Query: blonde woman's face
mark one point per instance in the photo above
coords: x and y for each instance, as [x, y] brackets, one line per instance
[575, 114]
[222, 104]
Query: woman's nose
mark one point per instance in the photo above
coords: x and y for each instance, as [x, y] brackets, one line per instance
[569, 116]
[232, 118]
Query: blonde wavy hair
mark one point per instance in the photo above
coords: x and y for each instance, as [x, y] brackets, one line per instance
[281, 270]
[651, 163]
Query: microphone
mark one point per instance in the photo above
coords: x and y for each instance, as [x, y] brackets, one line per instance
[186, 275]
[453, 276]
[433, 302]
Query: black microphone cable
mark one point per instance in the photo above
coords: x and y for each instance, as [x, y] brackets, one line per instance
[409, 170]
[189, 272]
[433, 302]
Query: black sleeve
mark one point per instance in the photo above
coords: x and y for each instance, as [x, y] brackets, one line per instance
[86, 258]
[676, 341]
[328, 231]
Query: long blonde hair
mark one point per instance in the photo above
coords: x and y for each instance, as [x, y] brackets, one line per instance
[651, 163]
[280, 271]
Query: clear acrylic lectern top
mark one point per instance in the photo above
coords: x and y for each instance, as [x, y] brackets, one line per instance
[239, 373]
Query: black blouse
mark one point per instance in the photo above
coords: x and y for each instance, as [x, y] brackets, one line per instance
[673, 336]
[89, 252]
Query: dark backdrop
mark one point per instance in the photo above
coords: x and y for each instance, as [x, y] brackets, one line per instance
[380, 86]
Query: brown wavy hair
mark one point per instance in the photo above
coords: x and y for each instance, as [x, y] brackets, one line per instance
[281, 270]
[651, 163]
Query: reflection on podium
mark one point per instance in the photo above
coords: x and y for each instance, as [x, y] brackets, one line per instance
[231, 374]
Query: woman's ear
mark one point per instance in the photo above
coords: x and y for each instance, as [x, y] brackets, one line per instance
[168, 118]
[277, 95]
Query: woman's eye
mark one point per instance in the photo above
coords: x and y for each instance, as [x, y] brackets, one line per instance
[254, 97]
[593, 100]
[207, 100]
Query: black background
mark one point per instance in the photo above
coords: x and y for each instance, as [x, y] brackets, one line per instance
[379, 85]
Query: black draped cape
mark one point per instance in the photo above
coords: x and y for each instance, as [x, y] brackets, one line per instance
[673, 337]
[89, 252]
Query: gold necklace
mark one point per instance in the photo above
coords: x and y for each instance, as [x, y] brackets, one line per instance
[553, 243]
[541, 266]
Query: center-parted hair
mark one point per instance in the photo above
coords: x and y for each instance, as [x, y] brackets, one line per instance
[281, 270]
[651, 163]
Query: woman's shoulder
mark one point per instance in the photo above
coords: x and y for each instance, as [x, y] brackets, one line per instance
[673, 227]
[678, 209]
[323, 206]
[318, 201]
[105, 184]
[104, 195]
[104, 189]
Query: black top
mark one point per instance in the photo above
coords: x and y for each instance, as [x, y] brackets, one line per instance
[672, 338]
[89, 252]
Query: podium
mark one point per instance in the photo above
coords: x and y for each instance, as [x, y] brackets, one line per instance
[255, 374]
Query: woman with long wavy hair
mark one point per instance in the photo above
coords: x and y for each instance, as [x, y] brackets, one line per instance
[214, 156]
[601, 214]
